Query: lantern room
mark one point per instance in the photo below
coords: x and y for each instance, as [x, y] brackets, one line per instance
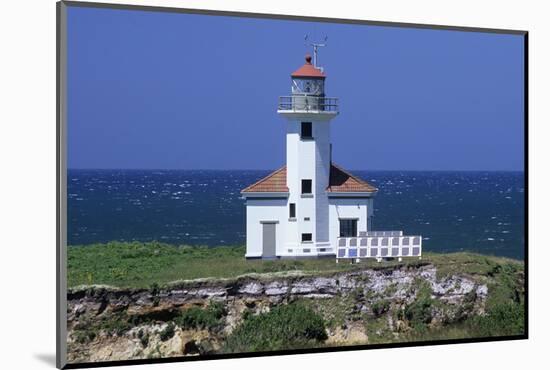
[308, 80]
[308, 92]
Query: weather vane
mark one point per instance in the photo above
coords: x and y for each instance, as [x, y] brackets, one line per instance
[316, 46]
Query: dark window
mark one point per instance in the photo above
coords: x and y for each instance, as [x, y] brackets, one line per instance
[348, 228]
[292, 210]
[306, 186]
[307, 130]
[306, 237]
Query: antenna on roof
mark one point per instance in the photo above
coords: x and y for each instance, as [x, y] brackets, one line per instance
[316, 46]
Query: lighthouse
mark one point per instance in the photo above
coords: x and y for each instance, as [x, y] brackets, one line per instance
[312, 207]
[308, 114]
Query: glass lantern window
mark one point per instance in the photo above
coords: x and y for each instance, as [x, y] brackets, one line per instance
[307, 86]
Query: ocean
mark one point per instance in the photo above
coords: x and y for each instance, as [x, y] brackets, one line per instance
[481, 212]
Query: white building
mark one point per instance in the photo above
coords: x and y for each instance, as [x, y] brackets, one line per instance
[311, 206]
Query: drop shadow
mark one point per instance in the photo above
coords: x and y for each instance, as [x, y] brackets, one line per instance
[46, 358]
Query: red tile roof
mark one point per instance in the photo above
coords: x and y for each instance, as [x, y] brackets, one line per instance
[275, 182]
[308, 70]
[341, 181]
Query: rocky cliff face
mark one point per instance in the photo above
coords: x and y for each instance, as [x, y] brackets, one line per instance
[359, 307]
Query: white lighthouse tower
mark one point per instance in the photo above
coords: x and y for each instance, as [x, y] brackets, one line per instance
[310, 207]
[308, 155]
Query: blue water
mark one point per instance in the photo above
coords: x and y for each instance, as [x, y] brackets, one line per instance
[453, 211]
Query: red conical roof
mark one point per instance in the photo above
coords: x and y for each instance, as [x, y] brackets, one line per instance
[340, 181]
[308, 70]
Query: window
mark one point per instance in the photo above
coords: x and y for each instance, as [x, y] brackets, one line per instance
[306, 186]
[292, 210]
[307, 237]
[307, 130]
[348, 228]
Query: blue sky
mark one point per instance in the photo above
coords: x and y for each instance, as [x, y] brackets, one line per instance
[182, 91]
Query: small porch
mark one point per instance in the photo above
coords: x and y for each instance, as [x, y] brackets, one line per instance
[379, 245]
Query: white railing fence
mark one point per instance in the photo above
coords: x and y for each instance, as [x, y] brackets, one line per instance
[379, 244]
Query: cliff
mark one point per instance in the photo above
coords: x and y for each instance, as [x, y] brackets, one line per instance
[382, 304]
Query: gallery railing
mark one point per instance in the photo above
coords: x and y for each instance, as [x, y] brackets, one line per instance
[306, 103]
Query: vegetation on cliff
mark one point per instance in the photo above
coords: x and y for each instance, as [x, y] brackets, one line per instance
[202, 318]
[284, 327]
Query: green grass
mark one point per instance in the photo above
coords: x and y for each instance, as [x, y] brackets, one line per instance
[140, 265]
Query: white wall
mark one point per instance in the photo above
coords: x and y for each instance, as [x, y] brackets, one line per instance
[305, 206]
[308, 159]
[321, 133]
[347, 208]
[258, 210]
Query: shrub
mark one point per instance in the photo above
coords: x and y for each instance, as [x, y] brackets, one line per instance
[288, 326]
[503, 319]
[84, 336]
[154, 289]
[419, 313]
[247, 313]
[156, 301]
[357, 294]
[200, 318]
[143, 338]
[168, 332]
[380, 307]
[115, 325]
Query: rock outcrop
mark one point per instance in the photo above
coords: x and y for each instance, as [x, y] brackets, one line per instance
[106, 323]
